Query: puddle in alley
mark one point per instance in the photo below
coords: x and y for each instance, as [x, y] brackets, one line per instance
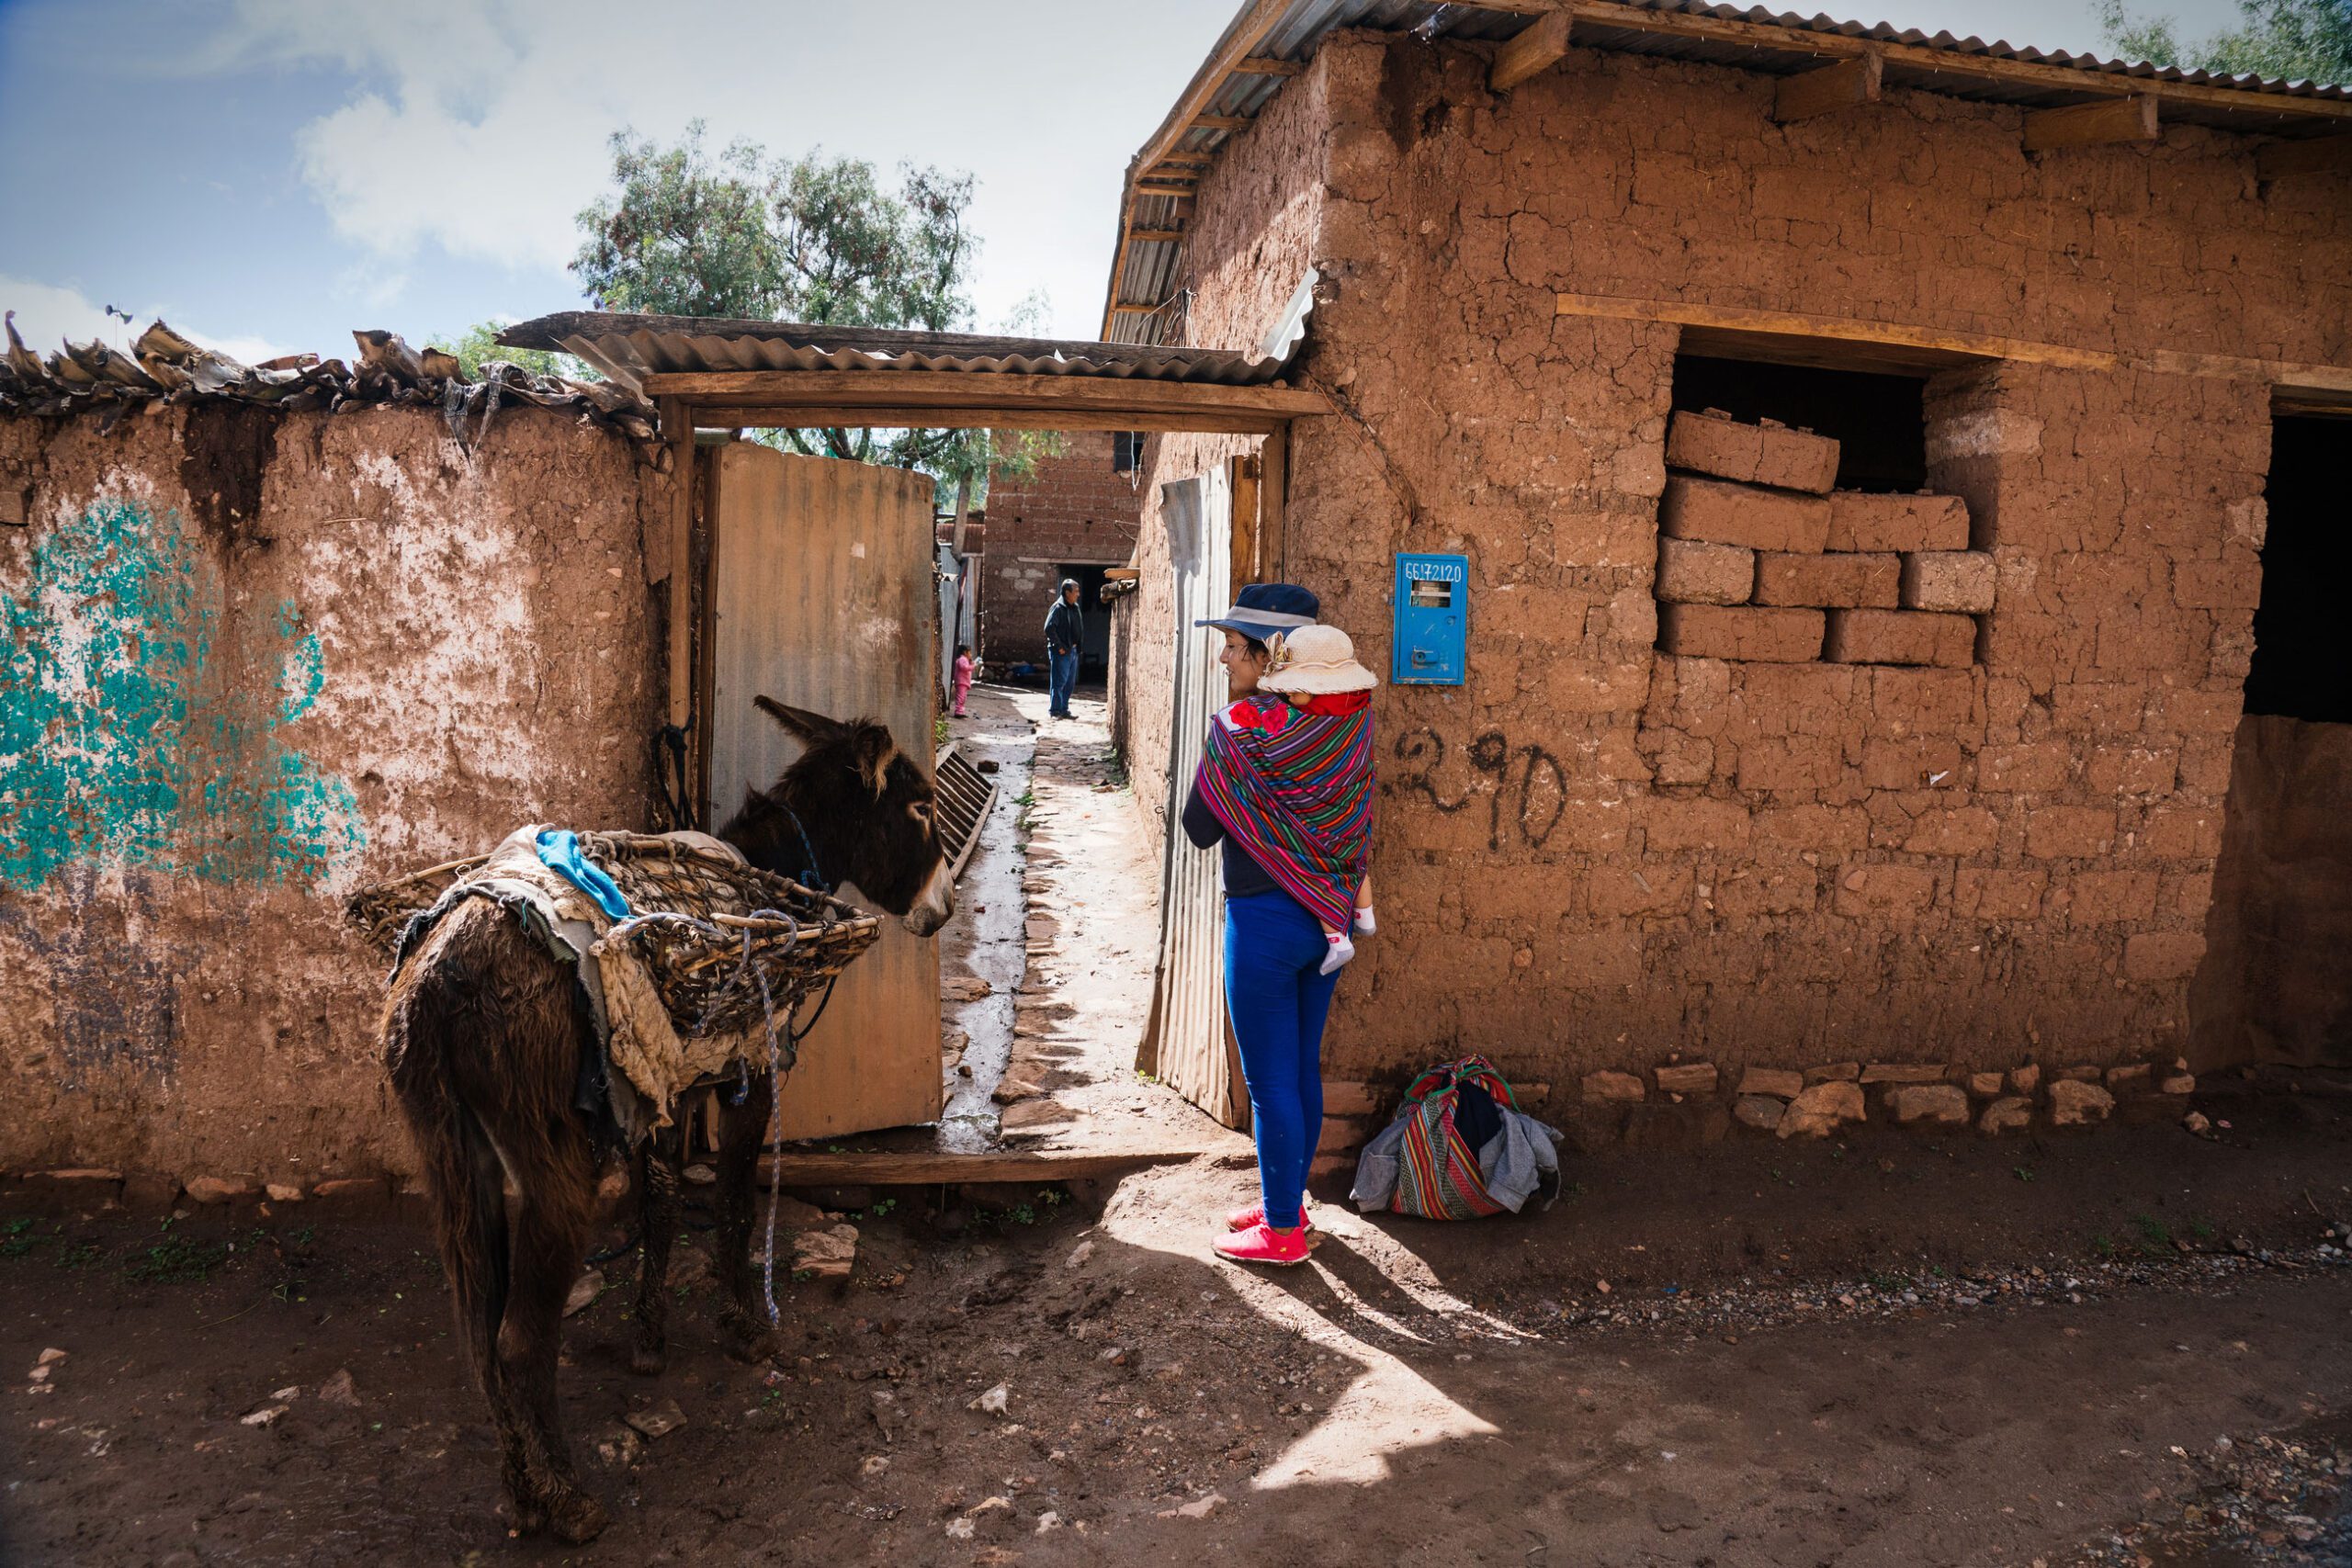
[985, 942]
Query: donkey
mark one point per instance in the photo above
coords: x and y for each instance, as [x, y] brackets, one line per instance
[484, 1032]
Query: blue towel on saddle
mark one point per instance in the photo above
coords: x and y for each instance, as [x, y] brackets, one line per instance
[559, 851]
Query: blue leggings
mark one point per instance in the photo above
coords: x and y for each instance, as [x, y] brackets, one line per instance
[1278, 1003]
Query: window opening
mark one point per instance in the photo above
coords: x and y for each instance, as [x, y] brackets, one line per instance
[1878, 420]
[2302, 656]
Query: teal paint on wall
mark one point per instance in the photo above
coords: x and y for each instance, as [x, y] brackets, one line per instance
[138, 722]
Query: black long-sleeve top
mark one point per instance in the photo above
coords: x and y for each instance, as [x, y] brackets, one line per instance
[1243, 874]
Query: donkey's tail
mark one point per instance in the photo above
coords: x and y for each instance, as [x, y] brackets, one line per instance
[463, 1174]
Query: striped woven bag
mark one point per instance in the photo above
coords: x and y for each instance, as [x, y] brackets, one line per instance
[1437, 1170]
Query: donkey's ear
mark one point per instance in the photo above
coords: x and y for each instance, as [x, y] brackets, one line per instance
[871, 752]
[814, 728]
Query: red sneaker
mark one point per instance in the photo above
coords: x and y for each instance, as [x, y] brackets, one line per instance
[1263, 1244]
[1255, 1214]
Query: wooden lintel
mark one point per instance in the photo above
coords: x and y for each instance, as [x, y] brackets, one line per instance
[803, 416]
[1529, 53]
[1267, 67]
[1730, 331]
[1164, 235]
[2321, 155]
[2103, 123]
[1826, 88]
[1222, 122]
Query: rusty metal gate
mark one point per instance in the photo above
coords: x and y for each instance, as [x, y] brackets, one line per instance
[1187, 1042]
[820, 595]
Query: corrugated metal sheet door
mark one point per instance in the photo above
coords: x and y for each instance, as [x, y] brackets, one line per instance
[821, 596]
[1187, 1037]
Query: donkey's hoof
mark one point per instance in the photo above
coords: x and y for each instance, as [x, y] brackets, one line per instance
[649, 1361]
[748, 1337]
[575, 1518]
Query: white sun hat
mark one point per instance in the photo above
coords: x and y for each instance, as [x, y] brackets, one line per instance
[1314, 661]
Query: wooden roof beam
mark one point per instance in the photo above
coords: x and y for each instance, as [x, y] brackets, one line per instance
[1268, 67]
[2104, 123]
[2321, 155]
[1165, 185]
[1164, 235]
[1827, 88]
[1529, 53]
[1222, 122]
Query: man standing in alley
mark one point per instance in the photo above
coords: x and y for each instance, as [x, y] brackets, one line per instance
[1064, 630]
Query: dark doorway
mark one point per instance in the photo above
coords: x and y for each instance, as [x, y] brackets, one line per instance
[2274, 986]
[2302, 640]
[1094, 644]
[1878, 420]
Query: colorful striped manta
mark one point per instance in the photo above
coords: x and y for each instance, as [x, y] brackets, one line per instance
[1293, 786]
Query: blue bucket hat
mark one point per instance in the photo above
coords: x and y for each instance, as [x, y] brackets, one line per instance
[1263, 609]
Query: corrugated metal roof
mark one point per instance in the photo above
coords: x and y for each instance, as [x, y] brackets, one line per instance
[1150, 272]
[628, 348]
[164, 367]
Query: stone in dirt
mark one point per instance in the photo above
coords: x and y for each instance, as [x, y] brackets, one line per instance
[1781, 1083]
[617, 1445]
[1759, 1111]
[659, 1420]
[2012, 1113]
[1834, 1072]
[827, 1254]
[965, 988]
[1011, 1089]
[994, 1401]
[2129, 1079]
[51, 1357]
[1696, 1077]
[1604, 1087]
[2076, 1104]
[1928, 1102]
[584, 1290]
[2179, 1083]
[2024, 1079]
[1985, 1086]
[1903, 1072]
[282, 1192]
[340, 1389]
[2197, 1122]
[212, 1189]
[1822, 1110]
[267, 1415]
[1198, 1508]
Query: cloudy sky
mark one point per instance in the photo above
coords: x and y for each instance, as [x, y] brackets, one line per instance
[269, 173]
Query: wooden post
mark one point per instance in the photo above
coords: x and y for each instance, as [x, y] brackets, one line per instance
[1273, 506]
[678, 426]
[1837, 86]
[1529, 53]
[2092, 125]
[1243, 472]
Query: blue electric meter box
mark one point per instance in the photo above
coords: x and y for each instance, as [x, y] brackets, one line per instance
[1432, 619]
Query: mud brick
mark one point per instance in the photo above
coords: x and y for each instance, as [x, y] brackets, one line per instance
[1718, 514]
[1998, 895]
[1690, 572]
[2033, 767]
[1739, 631]
[1766, 454]
[1948, 579]
[2070, 832]
[1705, 444]
[2162, 955]
[1848, 581]
[1861, 520]
[1901, 637]
[1797, 460]
[1697, 1077]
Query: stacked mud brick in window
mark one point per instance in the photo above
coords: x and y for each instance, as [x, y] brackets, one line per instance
[1759, 559]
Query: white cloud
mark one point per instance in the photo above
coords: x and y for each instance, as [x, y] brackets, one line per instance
[46, 315]
[480, 128]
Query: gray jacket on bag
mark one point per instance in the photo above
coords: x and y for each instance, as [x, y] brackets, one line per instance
[1513, 1162]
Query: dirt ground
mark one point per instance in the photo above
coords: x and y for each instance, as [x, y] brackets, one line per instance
[2121, 1348]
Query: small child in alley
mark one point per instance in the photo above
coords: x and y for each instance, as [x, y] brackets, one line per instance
[965, 670]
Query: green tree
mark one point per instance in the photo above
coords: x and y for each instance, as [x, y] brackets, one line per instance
[819, 240]
[477, 346]
[2293, 39]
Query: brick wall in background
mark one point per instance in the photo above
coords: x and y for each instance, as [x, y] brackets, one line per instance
[1609, 846]
[1075, 508]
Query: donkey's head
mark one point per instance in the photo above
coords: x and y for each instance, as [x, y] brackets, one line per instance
[866, 810]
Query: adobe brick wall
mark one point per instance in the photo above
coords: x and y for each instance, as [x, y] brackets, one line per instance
[1595, 852]
[1075, 507]
[399, 651]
